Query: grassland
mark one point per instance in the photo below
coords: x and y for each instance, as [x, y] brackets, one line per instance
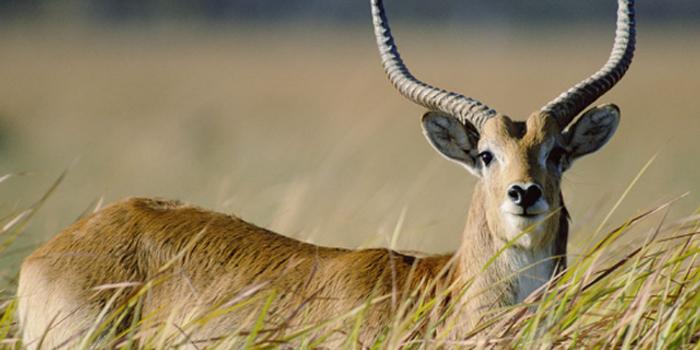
[297, 130]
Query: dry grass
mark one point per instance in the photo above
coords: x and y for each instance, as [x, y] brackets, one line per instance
[647, 298]
[298, 131]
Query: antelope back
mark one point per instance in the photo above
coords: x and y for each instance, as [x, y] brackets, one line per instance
[194, 262]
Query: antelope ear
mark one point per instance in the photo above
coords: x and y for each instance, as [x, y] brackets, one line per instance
[452, 139]
[592, 130]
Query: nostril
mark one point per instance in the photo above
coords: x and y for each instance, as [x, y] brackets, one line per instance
[532, 195]
[524, 195]
[515, 193]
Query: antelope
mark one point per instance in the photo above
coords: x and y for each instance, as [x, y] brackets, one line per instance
[517, 215]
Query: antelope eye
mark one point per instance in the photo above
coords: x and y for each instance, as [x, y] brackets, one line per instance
[556, 155]
[486, 157]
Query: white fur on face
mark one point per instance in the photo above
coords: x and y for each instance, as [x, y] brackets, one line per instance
[526, 228]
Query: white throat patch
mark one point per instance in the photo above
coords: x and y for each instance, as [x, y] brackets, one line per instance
[533, 268]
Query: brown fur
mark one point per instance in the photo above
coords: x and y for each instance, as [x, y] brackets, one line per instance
[212, 258]
[131, 240]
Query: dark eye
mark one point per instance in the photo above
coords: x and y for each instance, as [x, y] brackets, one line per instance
[486, 157]
[556, 155]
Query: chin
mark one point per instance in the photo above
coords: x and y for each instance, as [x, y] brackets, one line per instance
[533, 226]
[528, 223]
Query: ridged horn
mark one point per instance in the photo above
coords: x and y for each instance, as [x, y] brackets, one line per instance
[467, 109]
[570, 103]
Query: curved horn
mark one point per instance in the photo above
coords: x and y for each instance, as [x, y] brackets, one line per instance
[465, 108]
[570, 103]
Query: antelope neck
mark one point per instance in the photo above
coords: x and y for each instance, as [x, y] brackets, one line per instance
[516, 271]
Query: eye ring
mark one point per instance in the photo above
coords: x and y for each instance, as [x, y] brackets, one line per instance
[486, 157]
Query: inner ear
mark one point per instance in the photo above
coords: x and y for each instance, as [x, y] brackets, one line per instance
[592, 130]
[454, 140]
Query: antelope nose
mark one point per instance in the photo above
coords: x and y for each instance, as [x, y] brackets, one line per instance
[524, 197]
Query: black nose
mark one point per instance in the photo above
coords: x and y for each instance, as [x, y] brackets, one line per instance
[525, 197]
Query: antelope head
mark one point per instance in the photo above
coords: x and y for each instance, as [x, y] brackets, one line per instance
[519, 163]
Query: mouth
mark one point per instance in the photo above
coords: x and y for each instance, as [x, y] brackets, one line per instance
[525, 216]
[528, 215]
[524, 221]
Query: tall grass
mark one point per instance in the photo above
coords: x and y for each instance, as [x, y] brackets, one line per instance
[319, 97]
[643, 295]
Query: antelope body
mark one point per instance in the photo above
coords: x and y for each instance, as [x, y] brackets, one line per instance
[202, 260]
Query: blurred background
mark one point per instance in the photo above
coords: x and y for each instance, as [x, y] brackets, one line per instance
[279, 111]
[536, 12]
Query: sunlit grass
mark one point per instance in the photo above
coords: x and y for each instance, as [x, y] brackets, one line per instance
[299, 132]
[645, 297]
